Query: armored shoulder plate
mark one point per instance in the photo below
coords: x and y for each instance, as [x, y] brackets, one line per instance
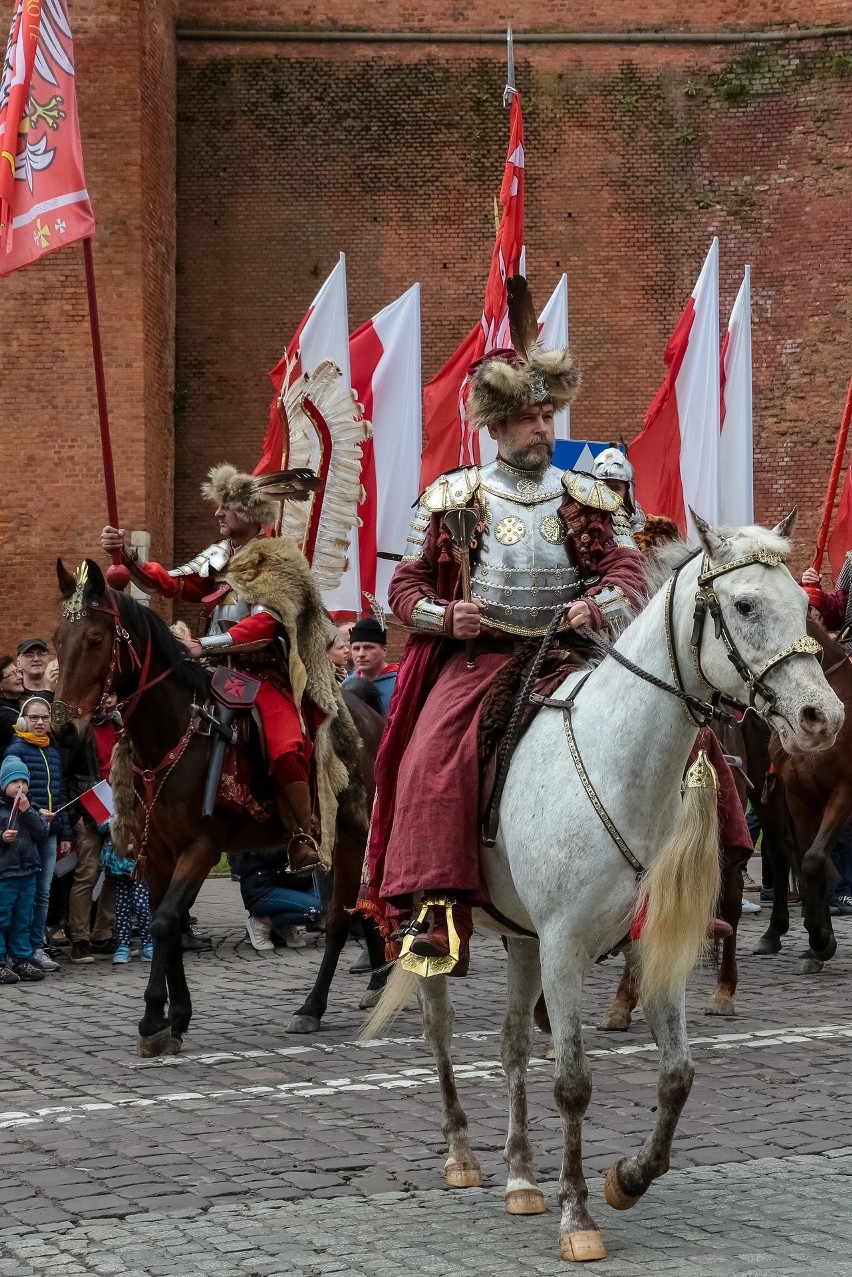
[587, 490]
[451, 491]
[207, 563]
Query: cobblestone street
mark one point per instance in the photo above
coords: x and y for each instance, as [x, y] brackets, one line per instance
[259, 1153]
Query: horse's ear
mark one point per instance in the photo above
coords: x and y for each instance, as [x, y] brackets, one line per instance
[712, 542]
[66, 580]
[96, 586]
[786, 526]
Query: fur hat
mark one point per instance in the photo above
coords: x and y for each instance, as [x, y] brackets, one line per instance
[507, 381]
[256, 498]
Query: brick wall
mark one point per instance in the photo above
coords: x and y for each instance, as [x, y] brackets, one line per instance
[635, 159]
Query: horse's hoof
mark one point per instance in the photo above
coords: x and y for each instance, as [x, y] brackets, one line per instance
[550, 1053]
[767, 946]
[811, 966]
[826, 954]
[463, 1175]
[175, 1046]
[370, 999]
[303, 1024]
[615, 1020]
[614, 1193]
[157, 1044]
[720, 1004]
[581, 1248]
[525, 1201]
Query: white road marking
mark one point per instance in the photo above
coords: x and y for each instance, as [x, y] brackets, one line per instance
[417, 1075]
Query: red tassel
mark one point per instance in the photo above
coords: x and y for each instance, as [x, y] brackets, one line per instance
[638, 924]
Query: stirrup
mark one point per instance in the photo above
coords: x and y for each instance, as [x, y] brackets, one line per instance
[431, 966]
[299, 837]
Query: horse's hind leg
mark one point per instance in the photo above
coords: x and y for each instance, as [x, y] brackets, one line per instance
[730, 910]
[523, 1196]
[617, 1017]
[630, 1178]
[461, 1169]
[380, 971]
[155, 1036]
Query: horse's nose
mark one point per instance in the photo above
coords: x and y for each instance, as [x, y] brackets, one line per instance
[816, 723]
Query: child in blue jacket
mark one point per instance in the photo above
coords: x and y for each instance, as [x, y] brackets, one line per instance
[24, 832]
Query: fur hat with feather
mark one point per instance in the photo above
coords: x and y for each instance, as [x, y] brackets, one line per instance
[507, 381]
[257, 498]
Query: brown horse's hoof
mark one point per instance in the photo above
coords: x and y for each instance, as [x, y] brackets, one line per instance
[463, 1175]
[720, 1004]
[614, 1193]
[162, 1043]
[811, 966]
[767, 946]
[581, 1248]
[614, 1020]
[370, 999]
[303, 1024]
[525, 1201]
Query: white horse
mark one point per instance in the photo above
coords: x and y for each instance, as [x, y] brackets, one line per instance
[557, 871]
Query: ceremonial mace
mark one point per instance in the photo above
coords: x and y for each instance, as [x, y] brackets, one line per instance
[461, 525]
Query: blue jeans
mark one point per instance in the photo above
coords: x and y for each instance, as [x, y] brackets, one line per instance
[284, 908]
[44, 877]
[842, 856]
[16, 912]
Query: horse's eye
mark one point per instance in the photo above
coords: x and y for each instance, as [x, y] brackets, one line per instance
[744, 607]
[95, 640]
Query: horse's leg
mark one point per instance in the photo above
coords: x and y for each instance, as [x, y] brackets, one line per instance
[730, 910]
[155, 1036]
[630, 1178]
[345, 877]
[381, 971]
[815, 877]
[461, 1169]
[523, 1195]
[579, 1235]
[617, 1017]
[778, 845]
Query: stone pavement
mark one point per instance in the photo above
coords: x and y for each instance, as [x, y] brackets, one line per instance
[255, 1152]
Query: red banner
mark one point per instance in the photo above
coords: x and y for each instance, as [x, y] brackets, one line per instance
[44, 203]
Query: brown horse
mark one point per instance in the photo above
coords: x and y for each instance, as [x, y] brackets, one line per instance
[106, 642]
[818, 790]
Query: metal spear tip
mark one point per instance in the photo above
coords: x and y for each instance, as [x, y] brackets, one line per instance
[461, 525]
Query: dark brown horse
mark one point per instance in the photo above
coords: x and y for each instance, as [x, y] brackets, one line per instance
[106, 642]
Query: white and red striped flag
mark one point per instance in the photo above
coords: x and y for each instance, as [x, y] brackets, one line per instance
[448, 440]
[736, 484]
[44, 203]
[385, 360]
[676, 456]
[98, 801]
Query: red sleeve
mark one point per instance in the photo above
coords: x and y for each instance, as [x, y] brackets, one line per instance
[832, 609]
[155, 578]
[620, 566]
[420, 579]
[260, 628]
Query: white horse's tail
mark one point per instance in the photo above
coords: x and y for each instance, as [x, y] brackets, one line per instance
[678, 893]
[395, 998]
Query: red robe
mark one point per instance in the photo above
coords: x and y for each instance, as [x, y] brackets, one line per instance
[425, 827]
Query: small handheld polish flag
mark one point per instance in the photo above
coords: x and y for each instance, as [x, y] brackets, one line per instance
[98, 802]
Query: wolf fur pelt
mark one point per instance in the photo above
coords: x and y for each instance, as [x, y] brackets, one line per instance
[273, 572]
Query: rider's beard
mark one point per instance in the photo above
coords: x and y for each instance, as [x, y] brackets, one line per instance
[534, 456]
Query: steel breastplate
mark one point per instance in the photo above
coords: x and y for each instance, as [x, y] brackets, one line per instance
[227, 613]
[522, 572]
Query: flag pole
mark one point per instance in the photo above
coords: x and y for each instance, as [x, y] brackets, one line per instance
[834, 480]
[117, 575]
[510, 68]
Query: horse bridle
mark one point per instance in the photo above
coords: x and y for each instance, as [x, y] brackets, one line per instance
[707, 602]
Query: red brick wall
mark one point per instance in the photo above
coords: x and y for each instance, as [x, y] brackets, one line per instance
[53, 498]
[635, 159]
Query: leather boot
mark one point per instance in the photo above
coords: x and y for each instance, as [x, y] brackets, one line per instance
[435, 941]
[296, 812]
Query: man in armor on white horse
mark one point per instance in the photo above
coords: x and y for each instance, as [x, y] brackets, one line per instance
[254, 633]
[544, 540]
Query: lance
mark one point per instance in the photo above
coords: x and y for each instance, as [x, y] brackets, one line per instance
[117, 575]
[510, 68]
[461, 525]
[831, 493]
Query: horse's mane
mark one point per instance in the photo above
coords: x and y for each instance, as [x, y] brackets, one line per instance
[141, 620]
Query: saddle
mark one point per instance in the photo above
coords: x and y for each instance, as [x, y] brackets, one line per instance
[570, 653]
[233, 771]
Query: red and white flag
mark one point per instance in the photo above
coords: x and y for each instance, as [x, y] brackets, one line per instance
[385, 360]
[44, 203]
[98, 802]
[676, 456]
[449, 442]
[841, 534]
[736, 484]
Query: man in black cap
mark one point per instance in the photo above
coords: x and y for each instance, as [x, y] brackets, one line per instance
[368, 642]
[11, 693]
[33, 659]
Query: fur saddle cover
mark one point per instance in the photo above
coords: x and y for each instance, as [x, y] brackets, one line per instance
[275, 574]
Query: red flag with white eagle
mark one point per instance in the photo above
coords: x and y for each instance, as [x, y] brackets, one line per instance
[385, 359]
[44, 203]
[447, 435]
[676, 456]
